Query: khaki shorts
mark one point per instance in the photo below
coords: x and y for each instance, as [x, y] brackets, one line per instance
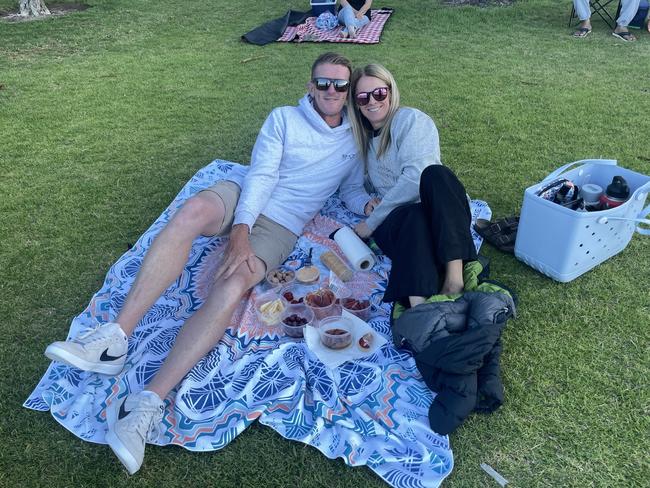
[270, 241]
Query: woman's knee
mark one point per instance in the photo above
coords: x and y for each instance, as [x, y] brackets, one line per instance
[436, 173]
[437, 179]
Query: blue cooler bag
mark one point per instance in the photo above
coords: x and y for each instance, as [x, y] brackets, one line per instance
[563, 243]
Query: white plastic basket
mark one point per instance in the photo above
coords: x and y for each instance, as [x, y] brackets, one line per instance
[563, 243]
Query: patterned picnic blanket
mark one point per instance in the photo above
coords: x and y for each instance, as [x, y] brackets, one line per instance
[308, 32]
[371, 411]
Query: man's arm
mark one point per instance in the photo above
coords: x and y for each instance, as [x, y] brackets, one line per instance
[264, 172]
[353, 192]
[260, 181]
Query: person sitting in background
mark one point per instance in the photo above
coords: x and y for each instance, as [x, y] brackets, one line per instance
[422, 219]
[628, 11]
[353, 14]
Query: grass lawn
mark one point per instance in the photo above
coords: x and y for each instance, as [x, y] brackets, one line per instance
[104, 114]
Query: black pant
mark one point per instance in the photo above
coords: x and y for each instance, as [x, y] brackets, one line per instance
[421, 238]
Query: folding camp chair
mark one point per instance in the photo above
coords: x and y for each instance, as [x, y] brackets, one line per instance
[599, 7]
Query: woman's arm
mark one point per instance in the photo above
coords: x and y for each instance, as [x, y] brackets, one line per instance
[415, 146]
[362, 11]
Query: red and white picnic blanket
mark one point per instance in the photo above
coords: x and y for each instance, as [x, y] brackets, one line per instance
[308, 32]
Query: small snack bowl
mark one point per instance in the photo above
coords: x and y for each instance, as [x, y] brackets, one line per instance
[357, 305]
[269, 307]
[336, 332]
[295, 318]
[280, 276]
[296, 292]
[322, 302]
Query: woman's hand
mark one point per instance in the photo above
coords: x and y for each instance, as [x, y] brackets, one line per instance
[363, 230]
[371, 205]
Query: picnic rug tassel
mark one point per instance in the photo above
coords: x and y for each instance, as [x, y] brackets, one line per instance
[369, 412]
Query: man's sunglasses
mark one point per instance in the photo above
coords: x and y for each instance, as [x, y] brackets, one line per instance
[379, 94]
[323, 84]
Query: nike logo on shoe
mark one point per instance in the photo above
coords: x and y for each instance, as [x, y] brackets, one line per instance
[107, 357]
[122, 412]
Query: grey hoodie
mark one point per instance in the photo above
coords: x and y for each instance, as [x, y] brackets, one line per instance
[298, 162]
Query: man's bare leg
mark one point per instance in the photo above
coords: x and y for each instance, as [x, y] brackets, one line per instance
[203, 330]
[202, 214]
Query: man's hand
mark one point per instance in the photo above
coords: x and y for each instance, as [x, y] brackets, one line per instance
[363, 230]
[237, 251]
[370, 206]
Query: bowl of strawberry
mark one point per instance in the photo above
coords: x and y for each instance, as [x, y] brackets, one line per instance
[357, 306]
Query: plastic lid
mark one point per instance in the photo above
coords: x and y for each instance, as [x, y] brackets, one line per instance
[618, 188]
[591, 192]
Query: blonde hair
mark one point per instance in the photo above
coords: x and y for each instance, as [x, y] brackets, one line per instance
[361, 128]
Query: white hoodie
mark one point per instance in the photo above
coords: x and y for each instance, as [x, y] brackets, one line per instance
[298, 162]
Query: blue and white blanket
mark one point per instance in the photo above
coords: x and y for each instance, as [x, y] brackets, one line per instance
[371, 411]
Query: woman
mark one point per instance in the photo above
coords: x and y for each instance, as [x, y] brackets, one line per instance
[422, 219]
[353, 15]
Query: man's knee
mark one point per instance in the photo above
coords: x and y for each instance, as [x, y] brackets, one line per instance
[200, 214]
[242, 280]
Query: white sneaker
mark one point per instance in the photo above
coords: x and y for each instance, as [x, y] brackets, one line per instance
[101, 350]
[135, 420]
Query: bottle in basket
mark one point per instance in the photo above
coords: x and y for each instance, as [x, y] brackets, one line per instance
[591, 194]
[616, 194]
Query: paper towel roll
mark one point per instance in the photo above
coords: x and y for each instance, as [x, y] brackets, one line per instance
[358, 254]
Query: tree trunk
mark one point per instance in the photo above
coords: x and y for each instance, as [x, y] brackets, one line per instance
[33, 8]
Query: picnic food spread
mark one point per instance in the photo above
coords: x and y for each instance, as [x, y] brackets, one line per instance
[270, 311]
[308, 274]
[359, 307]
[365, 341]
[336, 332]
[280, 276]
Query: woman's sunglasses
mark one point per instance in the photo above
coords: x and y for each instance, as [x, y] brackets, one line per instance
[323, 84]
[379, 94]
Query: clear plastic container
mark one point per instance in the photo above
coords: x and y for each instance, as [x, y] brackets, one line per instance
[295, 318]
[280, 277]
[323, 302]
[296, 291]
[269, 307]
[357, 305]
[336, 332]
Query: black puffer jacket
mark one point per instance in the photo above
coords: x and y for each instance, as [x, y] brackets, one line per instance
[457, 345]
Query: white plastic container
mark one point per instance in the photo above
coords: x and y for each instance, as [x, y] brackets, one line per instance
[563, 243]
[320, 6]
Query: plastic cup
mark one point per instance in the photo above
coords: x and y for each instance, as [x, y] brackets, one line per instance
[323, 302]
[269, 307]
[357, 305]
[293, 312]
[336, 332]
[280, 277]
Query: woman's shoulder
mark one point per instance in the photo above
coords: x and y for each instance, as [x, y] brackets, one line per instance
[407, 118]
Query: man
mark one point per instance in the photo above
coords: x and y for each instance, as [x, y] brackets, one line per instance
[301, 156]
[628, 11]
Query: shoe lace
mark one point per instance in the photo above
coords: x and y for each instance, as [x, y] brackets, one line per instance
[146, 422]
[87, 332]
